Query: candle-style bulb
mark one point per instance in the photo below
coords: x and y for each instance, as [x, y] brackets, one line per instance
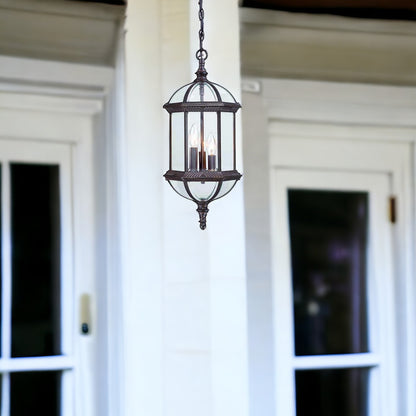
[212, 150]
[193, 151]
[193, 136]
[211, 144]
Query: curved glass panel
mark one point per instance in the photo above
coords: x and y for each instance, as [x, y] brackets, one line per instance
[179, 95]
[202, 92]
[226, 187]
[226, 96]
[207, 91]
[203, 191]
[179, 188]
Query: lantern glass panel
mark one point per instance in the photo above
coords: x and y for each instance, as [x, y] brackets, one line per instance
[179, 95]
[203, 191]
[178, 137]
[226, 96]
[227, 141]
[179, 187]
[202, 91]
[226, 187]
[194, 139]
[211, 140]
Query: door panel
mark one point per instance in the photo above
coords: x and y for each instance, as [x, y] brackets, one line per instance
[333, 286]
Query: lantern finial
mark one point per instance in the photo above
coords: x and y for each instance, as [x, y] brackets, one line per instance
[203, 212]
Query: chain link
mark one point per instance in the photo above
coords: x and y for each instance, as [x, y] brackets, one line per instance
[201, 53]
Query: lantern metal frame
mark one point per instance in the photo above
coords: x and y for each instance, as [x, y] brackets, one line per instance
[187, 176]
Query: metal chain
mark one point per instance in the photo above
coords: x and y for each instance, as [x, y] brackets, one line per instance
[201, 53]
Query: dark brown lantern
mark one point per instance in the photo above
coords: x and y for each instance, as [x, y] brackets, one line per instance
[202, 137]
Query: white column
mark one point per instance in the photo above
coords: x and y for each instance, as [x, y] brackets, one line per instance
[184, 289]
[226, 232]
[141, 199]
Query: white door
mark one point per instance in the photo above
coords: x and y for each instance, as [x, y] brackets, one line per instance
[334, 284]
[37, 286]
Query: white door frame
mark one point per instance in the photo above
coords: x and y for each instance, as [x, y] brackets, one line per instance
[380, 277]
[283, 118]
[55, 102]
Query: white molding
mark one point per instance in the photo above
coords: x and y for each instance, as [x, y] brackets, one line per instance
[94, 11]
[60, 30]
[251, 85]
[318, 102]
[325, 22]
[291, 45]
[336, 361]
[41, 103]
[322, 130]
[58, 362]
[36, 73]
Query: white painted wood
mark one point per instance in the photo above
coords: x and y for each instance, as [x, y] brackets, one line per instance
[111, 129]
[5, 391]
[327, 129]
[76, 79]
[284, 394]
[66, 122]
[318, 362]
[81, 33]
[345, 104]
[50, 363]
[56, 154]
[6, 260]
[38, 103]
[6, 283]
[141, 228]
[56, 102]
[291, 45]
[181, 357]
[226, 230]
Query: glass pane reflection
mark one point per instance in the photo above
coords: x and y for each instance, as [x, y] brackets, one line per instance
[341, 392]
[328, 234]
[35, 260]
[35, 393]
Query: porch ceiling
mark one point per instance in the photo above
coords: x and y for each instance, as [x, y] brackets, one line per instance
[69, 31]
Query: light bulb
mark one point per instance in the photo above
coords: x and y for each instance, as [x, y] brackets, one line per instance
[193, 134]
[211, 144]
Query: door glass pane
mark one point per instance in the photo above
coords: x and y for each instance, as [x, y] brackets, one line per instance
[35, 393]
[341, 392]
[35, 227]
[328, 237]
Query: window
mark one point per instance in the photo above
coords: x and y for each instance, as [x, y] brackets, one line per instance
[36, 362]
[334, 302]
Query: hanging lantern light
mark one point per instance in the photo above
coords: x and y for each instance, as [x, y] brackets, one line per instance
[202, 137]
